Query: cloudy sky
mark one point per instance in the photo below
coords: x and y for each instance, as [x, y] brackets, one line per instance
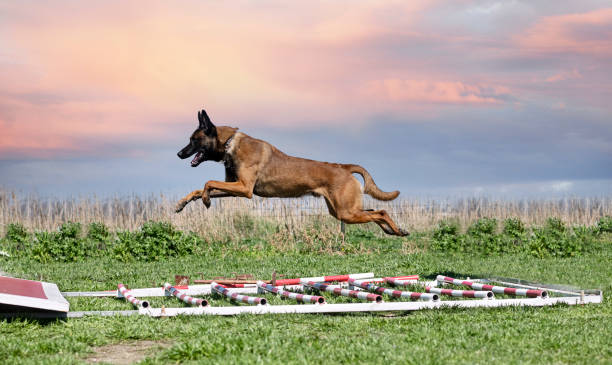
[432, 97]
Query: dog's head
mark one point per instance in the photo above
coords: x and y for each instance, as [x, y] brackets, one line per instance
[203, 142]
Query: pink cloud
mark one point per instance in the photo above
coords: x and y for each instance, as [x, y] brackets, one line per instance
[435, 92]
[565, 75]
[589, 33]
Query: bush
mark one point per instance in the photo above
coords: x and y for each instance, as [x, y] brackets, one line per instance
[483, 226]
[154, 241]
[515, 228]
[515, 236]
[446, 237]
[65, 245]
[604, 224]
[482, 237]
[17, 238]
[556, 240]
[16, 232]
[98, 232]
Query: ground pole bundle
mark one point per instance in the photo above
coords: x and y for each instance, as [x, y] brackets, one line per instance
[184, 297]
[344, 292]
[237, 297]
[532, 293]
[393, 293]
[130, 298]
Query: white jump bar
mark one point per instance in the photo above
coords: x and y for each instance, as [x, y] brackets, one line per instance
[367, 307]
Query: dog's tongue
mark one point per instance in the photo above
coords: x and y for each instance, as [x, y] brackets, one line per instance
[196, 158]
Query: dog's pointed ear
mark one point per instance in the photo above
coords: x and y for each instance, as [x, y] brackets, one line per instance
[205, 122]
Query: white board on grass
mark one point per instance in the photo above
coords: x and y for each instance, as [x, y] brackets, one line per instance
[21, 294]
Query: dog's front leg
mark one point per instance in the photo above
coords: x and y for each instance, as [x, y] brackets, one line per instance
[236, 188]
[197, 194]
[194, 195]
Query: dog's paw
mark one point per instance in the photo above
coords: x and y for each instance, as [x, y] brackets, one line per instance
[179, 207]
[206, 201]
[404, 232]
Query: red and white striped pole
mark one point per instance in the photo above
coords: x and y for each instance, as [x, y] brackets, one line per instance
[344, 292]
[130, 298]
[237, 297]
[184, 297]
[394, 293]
[532, 293]
[408, 278]
[303, 298]
[461, 293]
[400, 281]
[298, 281]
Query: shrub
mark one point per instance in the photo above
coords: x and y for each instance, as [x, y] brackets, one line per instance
[482, 237]
[154, 241]
[17, 238]
[483, 226]
[98, 232]
[446, 237]
[16, 232]
[556, 240]
[604, 224]
[514, 227]
[515, 235]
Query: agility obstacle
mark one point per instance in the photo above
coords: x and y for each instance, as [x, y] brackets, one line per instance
[368, 288]
[393, 293]
[344, 292]
[184, 297]
[237, 297]
[461, 293]
[531, 293]
[302, 298]
[30, 295]
[130, 298]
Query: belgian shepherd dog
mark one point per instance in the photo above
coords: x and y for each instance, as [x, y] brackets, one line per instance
[253, 166]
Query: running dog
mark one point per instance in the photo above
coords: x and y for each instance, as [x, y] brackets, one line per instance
[253, 166]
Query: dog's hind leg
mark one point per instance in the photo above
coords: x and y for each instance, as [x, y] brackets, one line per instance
[344, 203]
[385, 220]
[379, 217]
[385, 227]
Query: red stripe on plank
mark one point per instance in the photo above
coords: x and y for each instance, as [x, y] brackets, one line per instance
[25, 288]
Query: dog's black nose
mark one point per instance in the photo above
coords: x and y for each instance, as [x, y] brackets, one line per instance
[178, 154]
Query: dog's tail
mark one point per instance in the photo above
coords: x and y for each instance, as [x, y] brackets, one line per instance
[370, 187]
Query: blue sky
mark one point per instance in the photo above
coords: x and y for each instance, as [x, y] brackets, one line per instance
[503, 98]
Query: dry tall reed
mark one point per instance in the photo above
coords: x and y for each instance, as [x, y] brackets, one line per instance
[225, 215]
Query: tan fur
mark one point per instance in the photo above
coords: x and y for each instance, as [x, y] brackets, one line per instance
[263, 170]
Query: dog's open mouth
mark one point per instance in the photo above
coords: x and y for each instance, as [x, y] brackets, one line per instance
[197, 159]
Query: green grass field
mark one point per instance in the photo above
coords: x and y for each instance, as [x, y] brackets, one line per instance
[560, 334]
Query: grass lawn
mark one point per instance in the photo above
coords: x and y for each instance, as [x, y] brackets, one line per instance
[560, 334]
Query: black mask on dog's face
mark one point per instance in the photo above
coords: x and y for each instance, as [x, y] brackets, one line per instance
[203, 141]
